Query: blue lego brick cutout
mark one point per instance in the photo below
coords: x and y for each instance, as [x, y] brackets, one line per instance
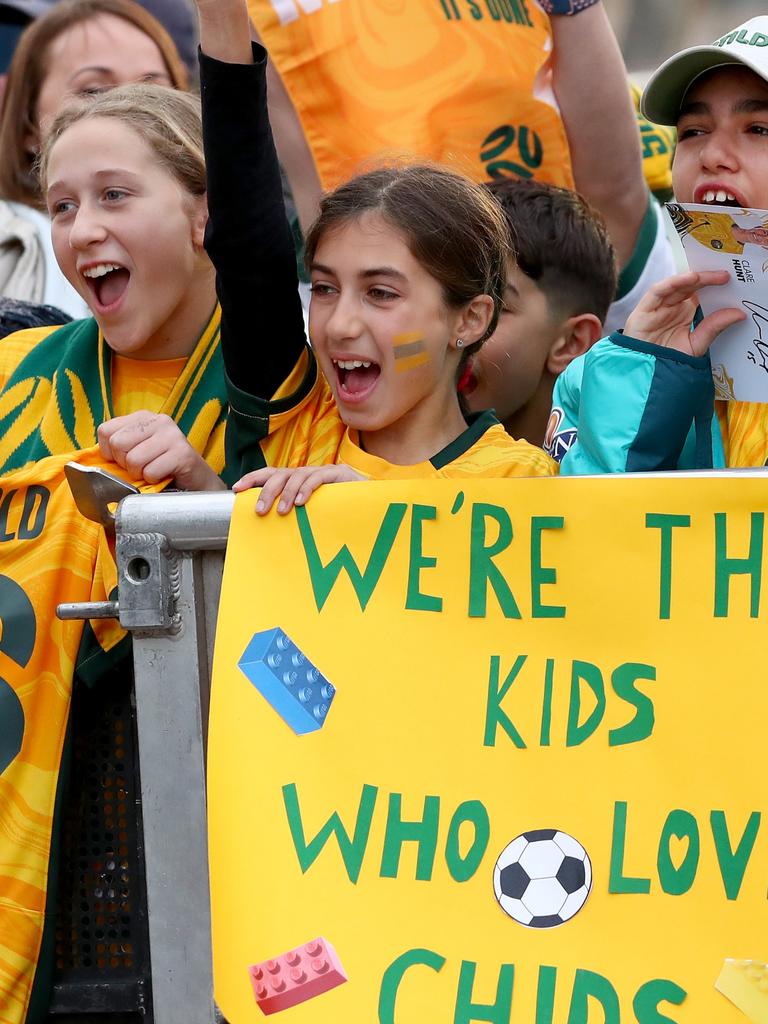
[285, 677]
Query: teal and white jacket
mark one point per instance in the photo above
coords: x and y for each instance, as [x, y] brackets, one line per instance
[628, 406]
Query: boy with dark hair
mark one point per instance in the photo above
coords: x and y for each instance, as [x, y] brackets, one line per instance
[555, 304]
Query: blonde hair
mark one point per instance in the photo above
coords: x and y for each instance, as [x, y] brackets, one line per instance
[27, 72]
[168, 121]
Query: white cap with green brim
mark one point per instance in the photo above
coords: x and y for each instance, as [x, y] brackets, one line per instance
[666, 88]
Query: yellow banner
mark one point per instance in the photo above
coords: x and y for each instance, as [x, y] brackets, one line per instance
[461, 82]
[493, 753]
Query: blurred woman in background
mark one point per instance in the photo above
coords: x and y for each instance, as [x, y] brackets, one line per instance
[79, 48]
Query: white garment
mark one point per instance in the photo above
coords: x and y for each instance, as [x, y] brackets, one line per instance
[660, 264]
[28, 267]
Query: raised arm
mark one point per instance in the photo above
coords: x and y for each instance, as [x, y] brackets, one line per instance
[225, 31]
[248, 237]
[590, 82]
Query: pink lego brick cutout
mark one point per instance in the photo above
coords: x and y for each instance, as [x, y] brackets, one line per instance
[294, 977]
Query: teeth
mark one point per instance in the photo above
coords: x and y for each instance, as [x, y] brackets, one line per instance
[100, 270]
[719, 196]
[350, 364]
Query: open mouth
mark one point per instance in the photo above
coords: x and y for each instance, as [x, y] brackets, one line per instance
[107, 283]
[718, 197]
[356, 378]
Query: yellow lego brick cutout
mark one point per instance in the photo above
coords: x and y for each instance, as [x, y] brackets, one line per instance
[745, 983]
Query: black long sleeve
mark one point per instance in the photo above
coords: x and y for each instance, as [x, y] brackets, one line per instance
[248, 237]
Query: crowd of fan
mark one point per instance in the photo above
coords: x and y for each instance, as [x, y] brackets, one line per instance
[143, 228]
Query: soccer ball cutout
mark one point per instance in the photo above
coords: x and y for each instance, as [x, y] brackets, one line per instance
[542, 878]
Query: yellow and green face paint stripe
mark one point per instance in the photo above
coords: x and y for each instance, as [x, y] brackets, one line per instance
[410, 350]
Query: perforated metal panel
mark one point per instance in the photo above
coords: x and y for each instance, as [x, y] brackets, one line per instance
[101, 940]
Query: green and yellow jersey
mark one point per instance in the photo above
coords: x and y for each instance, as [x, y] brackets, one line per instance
[301, 426]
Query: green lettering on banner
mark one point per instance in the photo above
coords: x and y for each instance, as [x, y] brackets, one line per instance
[623, 682]
[648, 997]
[618, 882]
[725, 567]
[545, 995]
[678, 879]
[543, 575]
[498, 1012]
[583, 671]
[423, 832]
[470, 812]
[323, 577]
[546, 703]
[482, 570]
[588, 985]
[494, 716]
[666, 524]
[390, 982]
[733, 863]
[415, 600]
[352, 850]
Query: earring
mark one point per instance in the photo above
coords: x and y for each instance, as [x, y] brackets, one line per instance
[459, 343]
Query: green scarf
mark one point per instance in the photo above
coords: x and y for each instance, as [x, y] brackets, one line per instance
[61, 391]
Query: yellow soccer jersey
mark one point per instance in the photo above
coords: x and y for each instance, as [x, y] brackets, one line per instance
[48, 554]
[56, 387]
[744, 426]
[133, 388]
[658, 145]
[462, 83]
[301, 426]
[16, 346]
[714, 231]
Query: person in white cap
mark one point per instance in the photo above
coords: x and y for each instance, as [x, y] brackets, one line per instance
[643, 400]
[717, 96]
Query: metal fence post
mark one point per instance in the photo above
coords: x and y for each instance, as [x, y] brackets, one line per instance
[168, 597]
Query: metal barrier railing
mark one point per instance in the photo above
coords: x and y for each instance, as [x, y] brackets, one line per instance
[170, 556]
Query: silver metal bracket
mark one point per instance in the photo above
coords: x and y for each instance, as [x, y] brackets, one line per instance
[89, 610]
[149, 573]
[95, 492]
[149, 583]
